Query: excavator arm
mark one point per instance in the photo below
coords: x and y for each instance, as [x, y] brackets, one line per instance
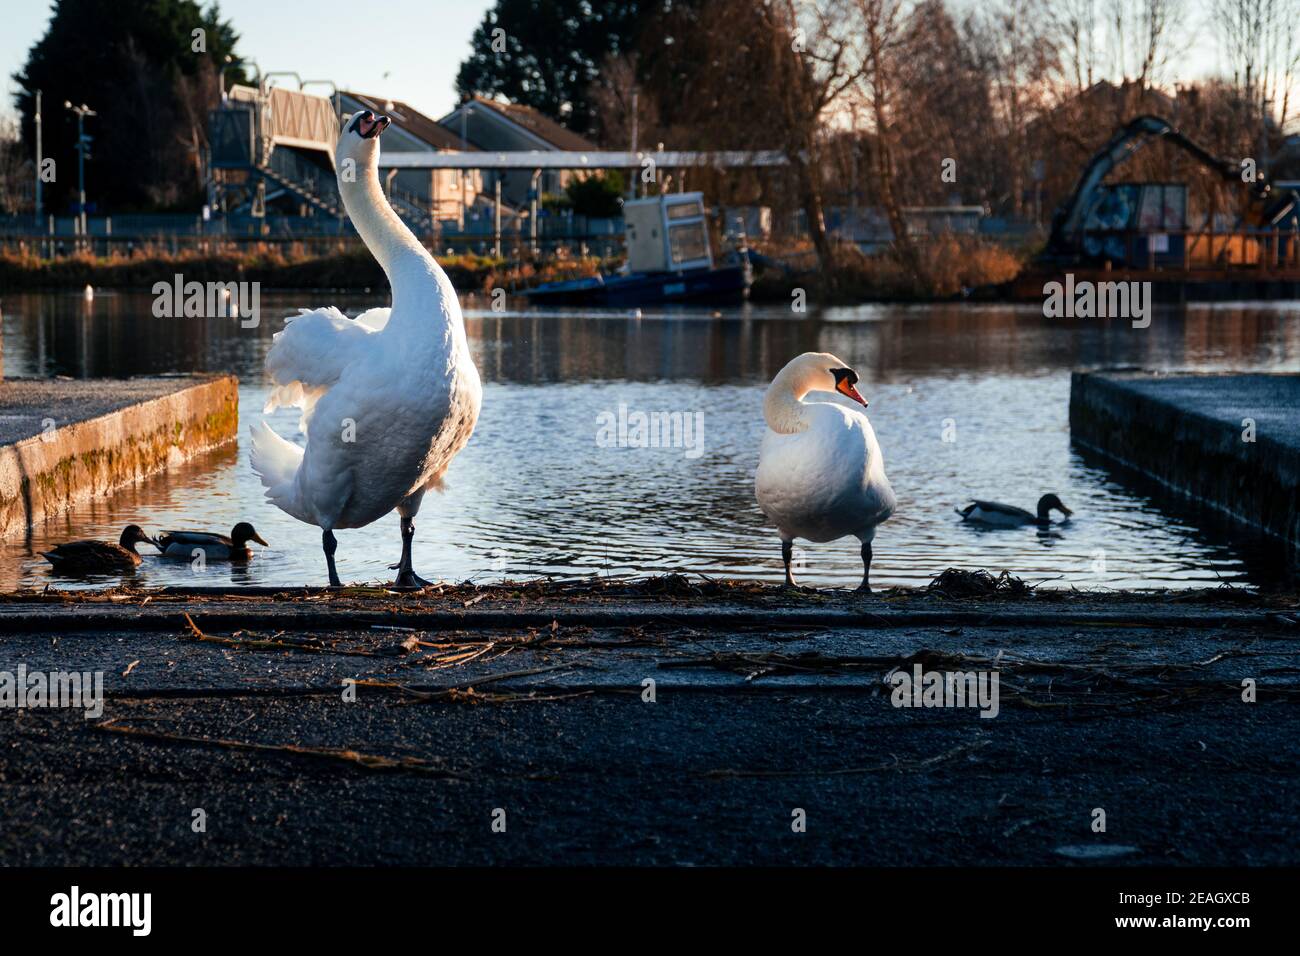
[1068, 222]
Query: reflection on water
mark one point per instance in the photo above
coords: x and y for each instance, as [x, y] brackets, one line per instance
[537, 493]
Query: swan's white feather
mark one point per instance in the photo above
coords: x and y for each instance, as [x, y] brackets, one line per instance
[276, 461]
[826, 481]
[374, 319]
[310, 353]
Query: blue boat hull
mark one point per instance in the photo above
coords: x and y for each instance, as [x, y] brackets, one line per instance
[725, 285]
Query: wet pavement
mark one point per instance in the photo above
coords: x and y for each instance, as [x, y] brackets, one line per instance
[530, 707]
[30, 406]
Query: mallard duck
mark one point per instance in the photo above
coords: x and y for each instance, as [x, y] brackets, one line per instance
[820, 472]
[92, 557]
[1009, 516]
[215, 547]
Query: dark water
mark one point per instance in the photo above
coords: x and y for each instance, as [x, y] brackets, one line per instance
[536, 492]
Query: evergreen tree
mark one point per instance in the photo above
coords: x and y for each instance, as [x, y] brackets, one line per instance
[547, 53]
[150, 78]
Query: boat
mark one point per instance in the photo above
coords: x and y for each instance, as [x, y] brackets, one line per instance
[669, 260]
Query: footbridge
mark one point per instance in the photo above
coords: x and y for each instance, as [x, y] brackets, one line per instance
[270, 142]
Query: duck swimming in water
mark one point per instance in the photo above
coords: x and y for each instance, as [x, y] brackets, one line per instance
[215, 547]
[995, 514]
[100, 557]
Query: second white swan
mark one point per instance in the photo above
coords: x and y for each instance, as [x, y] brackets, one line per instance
[820, 472]
[387, 399]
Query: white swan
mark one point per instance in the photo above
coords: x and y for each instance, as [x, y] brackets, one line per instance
[388, 399]
[820, 472]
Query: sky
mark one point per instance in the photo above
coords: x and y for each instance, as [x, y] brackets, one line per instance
[411, 49]
[404, 49]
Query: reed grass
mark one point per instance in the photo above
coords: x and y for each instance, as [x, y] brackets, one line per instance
[950, 267]
[341, 264]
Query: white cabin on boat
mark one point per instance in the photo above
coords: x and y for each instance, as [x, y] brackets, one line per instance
[667, 233]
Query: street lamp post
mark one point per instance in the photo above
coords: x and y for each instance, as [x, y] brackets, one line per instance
[39, 159]
[228, 62]
[82, 112]
[466, 109]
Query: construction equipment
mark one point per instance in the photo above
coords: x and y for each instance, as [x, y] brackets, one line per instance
[1100, 221]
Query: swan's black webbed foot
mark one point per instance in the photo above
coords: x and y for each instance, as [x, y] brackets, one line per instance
[330, 545]
[865, 586]
[406, 576]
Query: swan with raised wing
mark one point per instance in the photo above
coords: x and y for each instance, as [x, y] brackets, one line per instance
[388, 399]
[820, 472]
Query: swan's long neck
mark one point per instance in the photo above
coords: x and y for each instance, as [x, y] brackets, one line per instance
[783, 405]
[411, 271]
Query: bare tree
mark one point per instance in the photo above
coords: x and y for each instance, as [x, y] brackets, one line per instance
[1260, 43]
[1013, 44]
[195, 96]
[757, 74]
[945, 144]
[1144, 35]
[883, 30]
[16, 173]
[616, 101]
[811, 85]
[1288, 58]
[1076, 27]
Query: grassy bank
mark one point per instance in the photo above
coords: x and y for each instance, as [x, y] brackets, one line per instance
[950, 267]
[287, 266]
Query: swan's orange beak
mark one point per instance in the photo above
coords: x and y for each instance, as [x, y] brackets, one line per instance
[844, 388]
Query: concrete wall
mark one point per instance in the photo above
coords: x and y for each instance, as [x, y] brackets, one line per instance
[1186, 432]
[81, 456]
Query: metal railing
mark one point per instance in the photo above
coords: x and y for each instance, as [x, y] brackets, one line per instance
[315, 186]
[1200, 250]
[514, 245]
[289, 118]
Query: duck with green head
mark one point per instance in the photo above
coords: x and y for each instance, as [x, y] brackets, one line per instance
[995, 514]
[215, 547]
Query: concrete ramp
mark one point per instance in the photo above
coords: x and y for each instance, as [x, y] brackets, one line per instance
[1228, 441]
[65, 440]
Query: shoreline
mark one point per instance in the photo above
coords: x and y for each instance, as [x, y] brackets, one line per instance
[958, 274]
[953, 271]
[484, 278]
